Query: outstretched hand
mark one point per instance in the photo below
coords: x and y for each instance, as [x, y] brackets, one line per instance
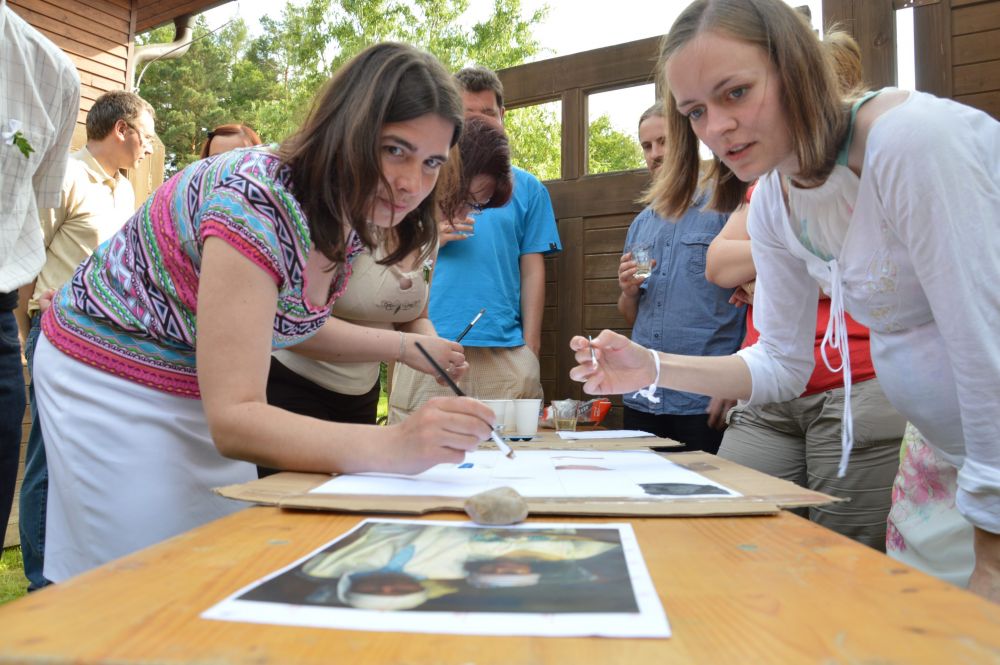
[455, 229]
[622, 365]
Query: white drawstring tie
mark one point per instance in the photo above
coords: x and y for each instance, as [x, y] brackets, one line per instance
[836, 337]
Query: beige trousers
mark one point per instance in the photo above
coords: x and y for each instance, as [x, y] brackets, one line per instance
[494, 373]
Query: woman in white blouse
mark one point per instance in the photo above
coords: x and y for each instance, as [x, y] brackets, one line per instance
[892, 207]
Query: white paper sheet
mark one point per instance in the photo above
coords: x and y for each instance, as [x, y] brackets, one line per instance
[576, 580]
[543, 474]
[604, 434]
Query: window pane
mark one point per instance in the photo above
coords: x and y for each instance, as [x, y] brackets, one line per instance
[536, 138]
[612, 121]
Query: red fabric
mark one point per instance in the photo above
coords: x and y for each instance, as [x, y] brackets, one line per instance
[858, 345]
[823, 379]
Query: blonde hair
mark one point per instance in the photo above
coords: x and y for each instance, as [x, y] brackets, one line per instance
[817, 115]
[845, 56]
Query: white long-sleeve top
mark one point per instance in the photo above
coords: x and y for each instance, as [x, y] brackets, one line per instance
[920, 266]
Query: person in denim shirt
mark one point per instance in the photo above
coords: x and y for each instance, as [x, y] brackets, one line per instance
[675, 309]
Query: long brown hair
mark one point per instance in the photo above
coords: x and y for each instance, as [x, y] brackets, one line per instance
[817, 115]
[482, 149]
[334, 157]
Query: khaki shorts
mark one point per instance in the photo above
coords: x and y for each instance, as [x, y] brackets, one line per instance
[799, 440]
[494, 373]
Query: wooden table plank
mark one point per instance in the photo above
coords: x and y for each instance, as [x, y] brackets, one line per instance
[736, 590]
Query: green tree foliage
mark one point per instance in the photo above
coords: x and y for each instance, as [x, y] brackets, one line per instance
[269, 81]
[192, 92]
[609, 149]
[535, 142]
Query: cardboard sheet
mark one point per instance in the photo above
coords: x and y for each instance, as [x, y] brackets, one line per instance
[762, 495]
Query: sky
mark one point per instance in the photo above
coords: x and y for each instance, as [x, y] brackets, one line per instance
[573, 26]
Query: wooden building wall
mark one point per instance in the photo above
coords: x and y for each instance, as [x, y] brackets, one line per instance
[96, 34]
[958, 53]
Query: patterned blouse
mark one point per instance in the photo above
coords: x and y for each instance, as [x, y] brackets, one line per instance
[131, 308]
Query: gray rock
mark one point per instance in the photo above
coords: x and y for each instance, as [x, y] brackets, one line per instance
[497, 507]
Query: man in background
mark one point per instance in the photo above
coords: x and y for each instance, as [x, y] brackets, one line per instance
[493, 261]
[675, 309]
[38, 107]
[95, 201]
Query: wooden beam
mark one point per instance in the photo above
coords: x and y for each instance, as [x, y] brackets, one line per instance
[932, 49]
[610, 194]
[623, 64]
[574, 134]
[570, 311]
[872, 24]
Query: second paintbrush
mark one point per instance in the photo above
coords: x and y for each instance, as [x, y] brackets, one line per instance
[471, 323]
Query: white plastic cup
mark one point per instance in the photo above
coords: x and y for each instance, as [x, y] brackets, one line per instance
[526, 416]
[509, 416]
[499, 407]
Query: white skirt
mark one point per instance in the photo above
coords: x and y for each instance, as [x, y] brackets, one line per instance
[129, 466]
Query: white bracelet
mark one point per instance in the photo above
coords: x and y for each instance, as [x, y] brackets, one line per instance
[649, 392]
[402, 345]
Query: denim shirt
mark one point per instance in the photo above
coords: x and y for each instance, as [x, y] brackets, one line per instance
[679, 310]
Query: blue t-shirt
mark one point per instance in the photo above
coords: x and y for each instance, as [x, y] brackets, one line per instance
[484, 270]
[679, 310]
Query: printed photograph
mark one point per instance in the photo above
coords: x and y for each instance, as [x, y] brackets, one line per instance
[406, 566]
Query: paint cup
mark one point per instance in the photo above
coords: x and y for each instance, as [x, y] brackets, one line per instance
[643, 257]
[509, 416]
[564, 414]
[499, 407]
[526, 416]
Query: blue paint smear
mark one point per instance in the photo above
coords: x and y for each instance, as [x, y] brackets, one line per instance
[467, 465]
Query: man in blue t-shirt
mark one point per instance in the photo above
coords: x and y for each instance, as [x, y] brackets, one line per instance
[675, 309]
[494, 260]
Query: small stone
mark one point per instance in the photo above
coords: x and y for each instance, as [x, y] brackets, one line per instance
[497, 507]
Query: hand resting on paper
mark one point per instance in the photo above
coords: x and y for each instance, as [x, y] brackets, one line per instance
[439, 432]
[622, 365]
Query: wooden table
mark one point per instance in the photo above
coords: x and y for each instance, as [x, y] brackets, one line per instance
[736, 590]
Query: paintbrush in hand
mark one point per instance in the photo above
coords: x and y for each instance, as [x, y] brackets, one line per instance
[501, 444]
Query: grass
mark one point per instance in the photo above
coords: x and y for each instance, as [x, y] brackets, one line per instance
[13, 584]
[382, 412]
